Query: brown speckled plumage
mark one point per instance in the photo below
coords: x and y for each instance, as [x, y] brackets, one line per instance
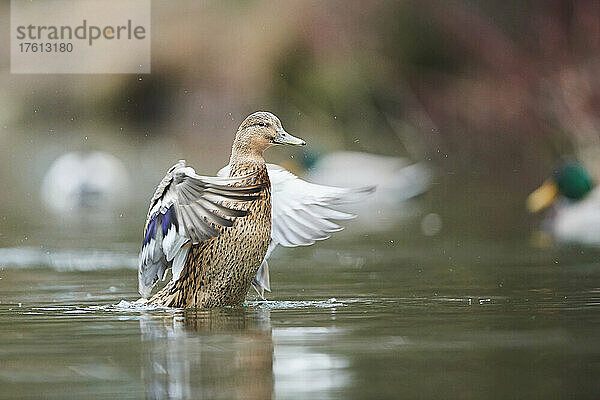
[216, 233]
[218, 272]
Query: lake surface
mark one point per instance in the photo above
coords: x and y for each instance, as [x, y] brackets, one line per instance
[388, 315]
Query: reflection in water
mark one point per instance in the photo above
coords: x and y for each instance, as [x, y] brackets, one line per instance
[235, 353]
[222, 353]
[535, 336]
[303, 373]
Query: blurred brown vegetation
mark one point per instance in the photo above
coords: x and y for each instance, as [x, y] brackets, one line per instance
[493, 93]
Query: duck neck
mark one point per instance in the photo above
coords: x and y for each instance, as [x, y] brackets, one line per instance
[244, 160]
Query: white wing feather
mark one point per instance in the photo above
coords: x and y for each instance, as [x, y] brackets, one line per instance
[186, 209]
[302, 213]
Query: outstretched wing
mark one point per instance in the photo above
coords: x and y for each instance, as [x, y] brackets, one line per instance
[302, 213]
[186, 209]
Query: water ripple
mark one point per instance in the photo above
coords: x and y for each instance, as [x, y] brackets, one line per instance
[66, 260]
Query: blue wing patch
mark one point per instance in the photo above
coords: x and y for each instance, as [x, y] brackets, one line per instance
[170, 218]
[151, 231]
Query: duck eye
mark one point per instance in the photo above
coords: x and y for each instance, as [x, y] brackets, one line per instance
[261, 124]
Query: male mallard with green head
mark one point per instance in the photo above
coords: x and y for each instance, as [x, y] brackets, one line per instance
[576, 214]
[216, 233]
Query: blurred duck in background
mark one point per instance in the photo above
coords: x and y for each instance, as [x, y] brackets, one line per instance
[575, 217]
[397, 180]
[85, 183]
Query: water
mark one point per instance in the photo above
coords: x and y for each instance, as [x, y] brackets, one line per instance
[391, 315]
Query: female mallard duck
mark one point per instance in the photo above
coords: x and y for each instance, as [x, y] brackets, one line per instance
[216, 233]
[576, 214]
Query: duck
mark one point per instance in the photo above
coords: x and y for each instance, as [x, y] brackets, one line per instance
[80, 183]
[216, 233]
[575, 201]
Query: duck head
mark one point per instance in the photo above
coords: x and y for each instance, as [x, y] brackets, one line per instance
[571, 181]
[258, 132]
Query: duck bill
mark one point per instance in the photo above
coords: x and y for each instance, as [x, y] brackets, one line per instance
[542, 197]
[285, 138]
